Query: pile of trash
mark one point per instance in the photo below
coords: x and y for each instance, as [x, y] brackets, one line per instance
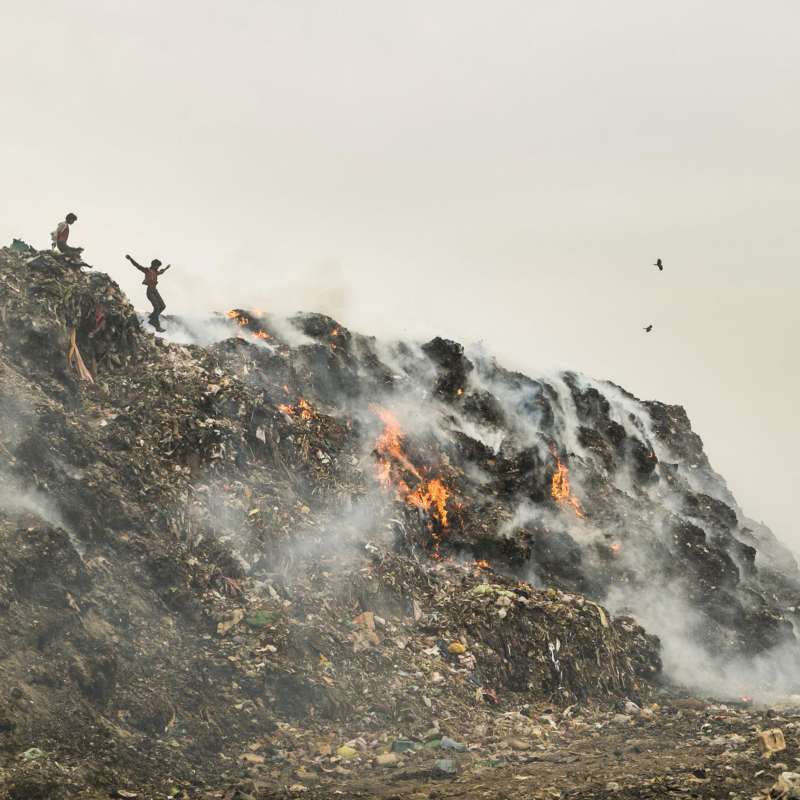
[371, 637]
[299, 539]
[560, 479]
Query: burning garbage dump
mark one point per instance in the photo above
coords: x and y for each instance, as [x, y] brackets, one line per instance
[201, 569]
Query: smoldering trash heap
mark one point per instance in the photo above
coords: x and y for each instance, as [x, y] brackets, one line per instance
[278, 554]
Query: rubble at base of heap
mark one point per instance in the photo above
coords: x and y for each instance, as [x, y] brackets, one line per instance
[214, 557]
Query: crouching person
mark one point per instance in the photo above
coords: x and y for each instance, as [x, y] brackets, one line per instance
[60, 237]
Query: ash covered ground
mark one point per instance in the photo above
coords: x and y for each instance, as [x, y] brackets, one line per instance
[267, 557]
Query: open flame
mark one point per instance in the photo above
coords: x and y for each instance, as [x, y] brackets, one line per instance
[390, 447]
[559, 488]
[430, 494]
[306, 412]
[482, 563]
[237, 315]
[615, 547]
[301, 409]
[243, 321]
[432, 497]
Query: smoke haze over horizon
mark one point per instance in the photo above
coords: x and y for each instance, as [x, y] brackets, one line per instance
[508, 176]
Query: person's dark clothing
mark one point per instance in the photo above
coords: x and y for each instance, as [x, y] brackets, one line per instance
[150, 277]
[67, 250]
[154, 296]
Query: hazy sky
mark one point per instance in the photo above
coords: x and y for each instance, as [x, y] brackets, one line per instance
[504, 171]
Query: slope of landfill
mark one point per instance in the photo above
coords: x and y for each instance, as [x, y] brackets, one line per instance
[299, 561]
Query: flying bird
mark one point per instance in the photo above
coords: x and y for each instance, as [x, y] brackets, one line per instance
[659, 265]
[648, 328]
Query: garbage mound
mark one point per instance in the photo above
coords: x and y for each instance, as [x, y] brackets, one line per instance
[223, 561]
[559, 479]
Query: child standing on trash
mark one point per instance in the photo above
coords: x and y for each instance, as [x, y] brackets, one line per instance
[151, 274]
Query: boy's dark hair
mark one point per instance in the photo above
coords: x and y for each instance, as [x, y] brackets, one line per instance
[72, 218]
[155, 263]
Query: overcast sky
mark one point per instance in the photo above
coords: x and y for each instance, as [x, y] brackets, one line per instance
[504, 171]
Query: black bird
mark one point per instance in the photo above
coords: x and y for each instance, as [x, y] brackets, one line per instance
[659, 265]
[648, 328]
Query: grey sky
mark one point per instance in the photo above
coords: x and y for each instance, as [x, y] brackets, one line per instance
[500, 171]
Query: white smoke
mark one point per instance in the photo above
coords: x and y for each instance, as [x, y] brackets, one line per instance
[16, 499]
[661, 605]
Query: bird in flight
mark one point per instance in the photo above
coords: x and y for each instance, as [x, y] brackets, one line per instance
[659, 265]
[648, 328]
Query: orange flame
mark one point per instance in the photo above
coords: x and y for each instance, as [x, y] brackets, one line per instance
[616, 547]
[306, 412]
[431, 495]
[482, 564]
[389, 445]
[559, 488]
[302, 409]
[243, 320]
